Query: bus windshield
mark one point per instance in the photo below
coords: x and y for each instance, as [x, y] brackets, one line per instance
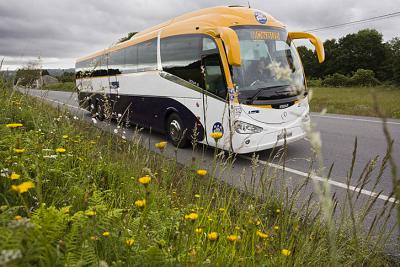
[269, 66]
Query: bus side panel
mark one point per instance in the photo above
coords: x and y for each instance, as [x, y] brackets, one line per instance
[148, 99]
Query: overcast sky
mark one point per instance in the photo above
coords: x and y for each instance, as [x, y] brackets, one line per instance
[59, 31]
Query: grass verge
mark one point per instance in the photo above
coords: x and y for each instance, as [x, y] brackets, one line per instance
[67, 86]
[73, 195]
[356, 100]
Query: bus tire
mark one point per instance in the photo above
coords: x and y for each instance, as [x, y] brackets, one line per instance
[176, 131]
[99, 107]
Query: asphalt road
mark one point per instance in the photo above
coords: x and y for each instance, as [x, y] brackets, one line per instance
[338, 133]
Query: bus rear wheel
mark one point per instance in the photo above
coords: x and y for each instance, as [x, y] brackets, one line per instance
[176, 131]
[97, 110]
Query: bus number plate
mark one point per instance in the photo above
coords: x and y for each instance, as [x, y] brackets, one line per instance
[282, 135]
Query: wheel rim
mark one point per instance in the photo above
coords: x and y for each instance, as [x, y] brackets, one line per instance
[175, 130]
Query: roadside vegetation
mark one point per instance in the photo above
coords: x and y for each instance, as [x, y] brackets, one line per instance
[65, 86]
[74, 195]
[356, 100]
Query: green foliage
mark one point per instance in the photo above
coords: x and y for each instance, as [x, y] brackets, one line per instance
[128, 37]
[67, 77]
[314, 83]
[362, 50]
[336, 80]
[360, 78]
[364, 78]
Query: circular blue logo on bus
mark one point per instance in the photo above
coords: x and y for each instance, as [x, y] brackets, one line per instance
[260, 17]
[217, 127]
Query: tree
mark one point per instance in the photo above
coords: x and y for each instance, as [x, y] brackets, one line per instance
[309, 61]
[126, 38]
[395, 49]
[361, 50]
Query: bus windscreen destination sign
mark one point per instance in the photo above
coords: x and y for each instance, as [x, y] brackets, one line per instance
[262, 35]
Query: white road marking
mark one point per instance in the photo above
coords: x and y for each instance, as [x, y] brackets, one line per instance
[353, 119]
[332, 182]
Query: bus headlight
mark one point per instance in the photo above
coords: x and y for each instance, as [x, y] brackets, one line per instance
[246, 128]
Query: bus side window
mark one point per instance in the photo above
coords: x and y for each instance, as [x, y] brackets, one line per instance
[130, 59]
[147, 56]
[180, 56]
[213, 76]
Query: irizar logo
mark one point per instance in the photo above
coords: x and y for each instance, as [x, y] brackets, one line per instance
[260, 17]
[283, 106]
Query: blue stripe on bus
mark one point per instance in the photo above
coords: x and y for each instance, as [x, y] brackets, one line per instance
[146, 111]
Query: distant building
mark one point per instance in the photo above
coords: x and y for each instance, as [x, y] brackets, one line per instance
[45, 80]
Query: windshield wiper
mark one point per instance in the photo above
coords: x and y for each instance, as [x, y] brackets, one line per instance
[251, 99]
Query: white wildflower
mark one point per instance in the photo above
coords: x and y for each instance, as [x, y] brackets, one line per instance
[8, 255]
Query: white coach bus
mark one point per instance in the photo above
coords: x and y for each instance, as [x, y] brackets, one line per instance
[233, 70]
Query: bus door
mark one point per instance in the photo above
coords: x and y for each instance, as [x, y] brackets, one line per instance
[215, 104]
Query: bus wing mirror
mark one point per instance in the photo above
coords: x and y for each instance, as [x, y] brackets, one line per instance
[232, 45]
[319, 46]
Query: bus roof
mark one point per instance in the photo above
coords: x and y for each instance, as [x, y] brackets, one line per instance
[202, 21]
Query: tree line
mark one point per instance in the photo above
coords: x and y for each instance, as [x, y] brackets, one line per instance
[354, 58]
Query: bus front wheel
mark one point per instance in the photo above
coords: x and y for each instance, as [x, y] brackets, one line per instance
[176, 131]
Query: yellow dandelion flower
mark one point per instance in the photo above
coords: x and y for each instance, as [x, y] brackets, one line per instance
[212, 236]
[145, 180]
[22, 188]
[202, 172]
[161, 145]
[216, 135]
[192, 216]
[106, 234]
[199, 230]
[14, 176]
[65, 136]
[285, 252]
[19, 150]
[261, 234]
[17, 218]
[14, 125]
[278, 211]
[130, 242]
[233, 238]
[141, 203]
[90, 213]
[197, 195]
[60, 150]
[65, 210]
[276, 227]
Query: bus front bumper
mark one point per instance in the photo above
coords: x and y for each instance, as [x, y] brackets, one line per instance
[248, 143]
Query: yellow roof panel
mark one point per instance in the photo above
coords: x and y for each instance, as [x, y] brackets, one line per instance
[201, 21]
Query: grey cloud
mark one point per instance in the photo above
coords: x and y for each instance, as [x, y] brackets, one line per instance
[71, 29]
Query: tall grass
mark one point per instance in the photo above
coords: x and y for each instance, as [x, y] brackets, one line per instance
[84, 208]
